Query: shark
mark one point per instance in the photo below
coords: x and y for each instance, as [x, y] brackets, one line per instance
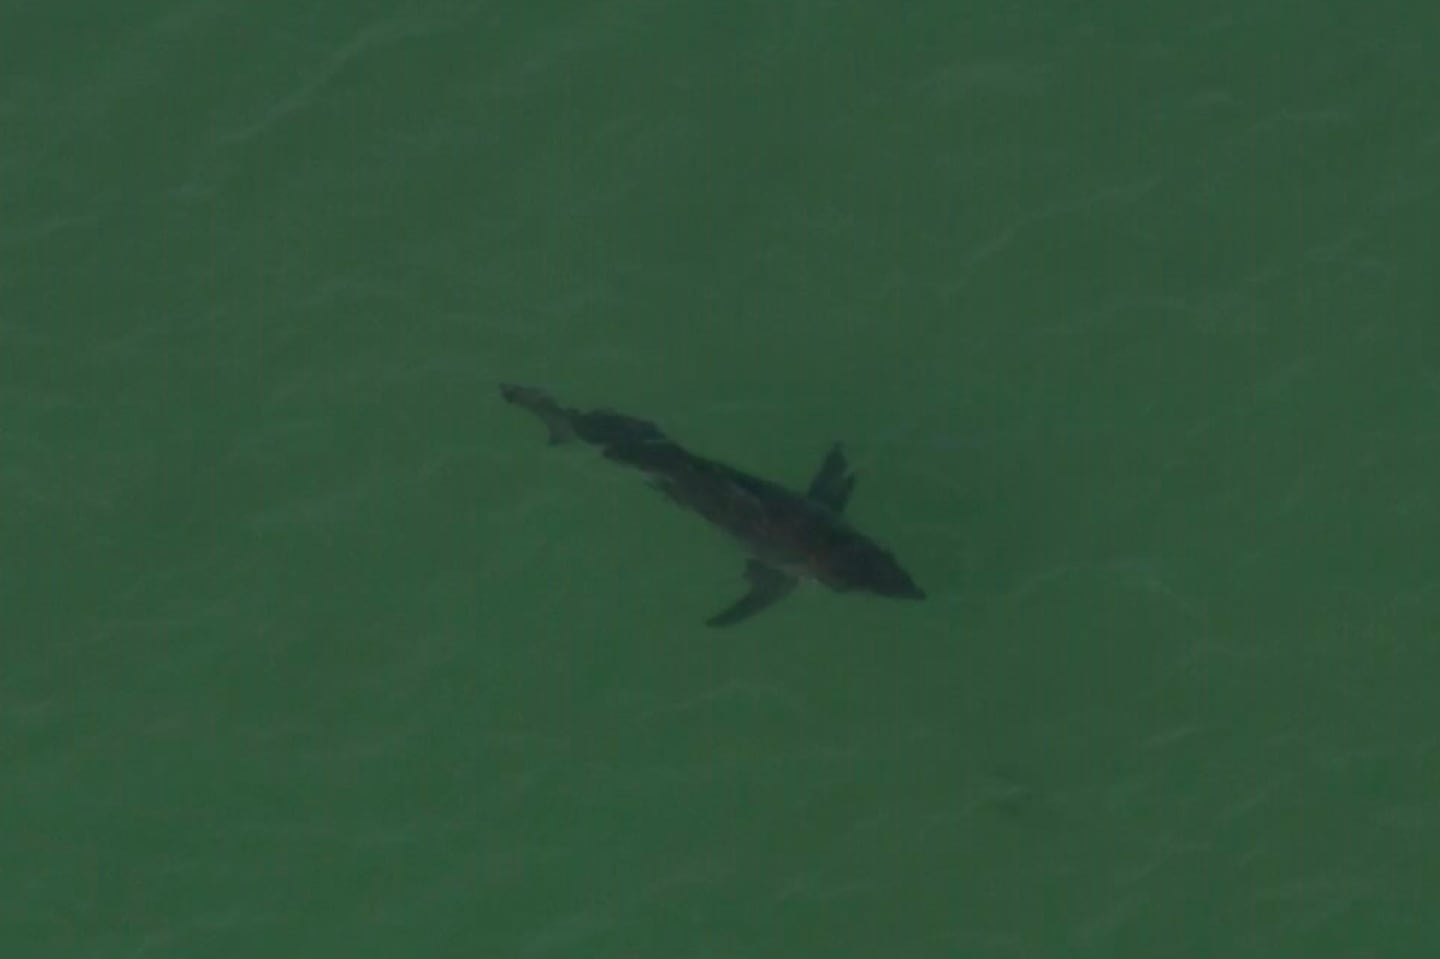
[787, 535]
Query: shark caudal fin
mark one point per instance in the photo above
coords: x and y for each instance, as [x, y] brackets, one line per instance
[558, 421]
[767, 586]
[834, 483]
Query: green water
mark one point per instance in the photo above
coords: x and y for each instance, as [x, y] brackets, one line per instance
[311, 647]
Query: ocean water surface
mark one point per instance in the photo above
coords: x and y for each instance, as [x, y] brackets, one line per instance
[313, 647]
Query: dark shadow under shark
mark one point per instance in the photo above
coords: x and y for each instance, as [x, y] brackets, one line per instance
[788, 535]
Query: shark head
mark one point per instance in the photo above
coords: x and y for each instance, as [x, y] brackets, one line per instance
[858, 563]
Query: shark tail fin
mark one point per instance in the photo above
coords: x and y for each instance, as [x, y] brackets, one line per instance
[557, 419]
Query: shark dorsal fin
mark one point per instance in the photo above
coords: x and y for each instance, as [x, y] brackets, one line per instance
[768, 585]
[834, 483]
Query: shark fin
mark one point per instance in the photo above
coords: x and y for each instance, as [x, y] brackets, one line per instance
[834, 483]
[768, 585]
[558, 420]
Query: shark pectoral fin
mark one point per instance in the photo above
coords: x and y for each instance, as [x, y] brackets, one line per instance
[768, 585]
[834, 483]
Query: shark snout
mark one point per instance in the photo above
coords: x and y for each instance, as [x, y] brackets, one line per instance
[902, 587]
[879, 573]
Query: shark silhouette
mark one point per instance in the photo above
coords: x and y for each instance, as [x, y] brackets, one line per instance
[789, 536]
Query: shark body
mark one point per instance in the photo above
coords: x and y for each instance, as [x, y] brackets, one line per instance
[788, 535]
